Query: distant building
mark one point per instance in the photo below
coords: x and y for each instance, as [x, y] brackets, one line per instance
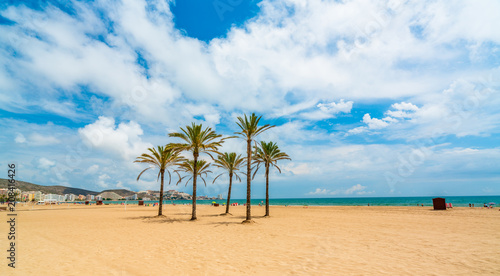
[27, 196]
[71, 197]
[89, 197]
[170, 193]
[111, 195]
[98, 197]
[220, 196]
[38, 196]
[132, 197]
[81, 197]
[52, 198]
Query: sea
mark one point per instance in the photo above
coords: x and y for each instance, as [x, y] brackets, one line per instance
[457, 201]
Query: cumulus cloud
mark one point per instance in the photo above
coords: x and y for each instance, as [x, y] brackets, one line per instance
[339, 50]
[36, 139]
[319, 191]
[399, 112]
[20, 138]
[357, 189]
[44, 163]
[374, 123]
[328, 110]
[102, 180]
[402, 110]
[123, 140]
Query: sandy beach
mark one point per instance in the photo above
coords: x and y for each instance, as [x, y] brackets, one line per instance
[109, 240]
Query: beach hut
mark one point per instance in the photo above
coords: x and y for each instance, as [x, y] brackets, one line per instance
[141, 202]
[439, 203]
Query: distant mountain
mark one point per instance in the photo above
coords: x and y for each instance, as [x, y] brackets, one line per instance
[121, 192]
[60, 190]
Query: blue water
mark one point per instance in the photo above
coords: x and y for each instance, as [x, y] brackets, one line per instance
[458, 201]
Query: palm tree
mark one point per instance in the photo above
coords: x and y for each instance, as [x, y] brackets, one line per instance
[231, 163]
[268, 154]
[161, 158]
[249, 130]
[197, 141]
[188, 167]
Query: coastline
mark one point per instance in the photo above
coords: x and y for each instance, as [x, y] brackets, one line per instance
[457, 201]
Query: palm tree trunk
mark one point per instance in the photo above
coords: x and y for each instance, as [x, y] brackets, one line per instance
[160, 205]
[195, 174]
[267, 190]
[229, 193]
[249, 172]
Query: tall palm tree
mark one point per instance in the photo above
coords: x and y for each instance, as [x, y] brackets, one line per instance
[231, 163]
[188, 167]
[161, 158]
[268, 154]
[249, 130]
[197, 140]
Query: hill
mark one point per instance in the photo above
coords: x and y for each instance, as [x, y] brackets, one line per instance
[121, 192]
[60, 190]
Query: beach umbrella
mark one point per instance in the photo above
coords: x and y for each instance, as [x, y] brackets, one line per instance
[492, 203]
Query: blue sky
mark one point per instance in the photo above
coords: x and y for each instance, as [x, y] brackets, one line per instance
[369, 98]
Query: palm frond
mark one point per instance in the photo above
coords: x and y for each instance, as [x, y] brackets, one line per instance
[268, 154]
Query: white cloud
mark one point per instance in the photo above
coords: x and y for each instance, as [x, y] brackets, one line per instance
[405, 106]
[374, 123]
[102, 180]
[328, 110]
[402, 110]
[42, 140]
[123, 140]
[45, 164]
[358, 188]
[324, 38]
[20, 138]
[92, 169]
[37, 139]
[334, 108]
[319, 191]
[357, 130]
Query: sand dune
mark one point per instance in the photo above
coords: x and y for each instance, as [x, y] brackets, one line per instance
[109, 240]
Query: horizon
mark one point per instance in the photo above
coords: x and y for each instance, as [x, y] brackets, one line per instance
[378, 99]
[339, 197]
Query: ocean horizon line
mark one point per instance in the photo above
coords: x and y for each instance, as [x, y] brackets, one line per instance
[457, 201]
